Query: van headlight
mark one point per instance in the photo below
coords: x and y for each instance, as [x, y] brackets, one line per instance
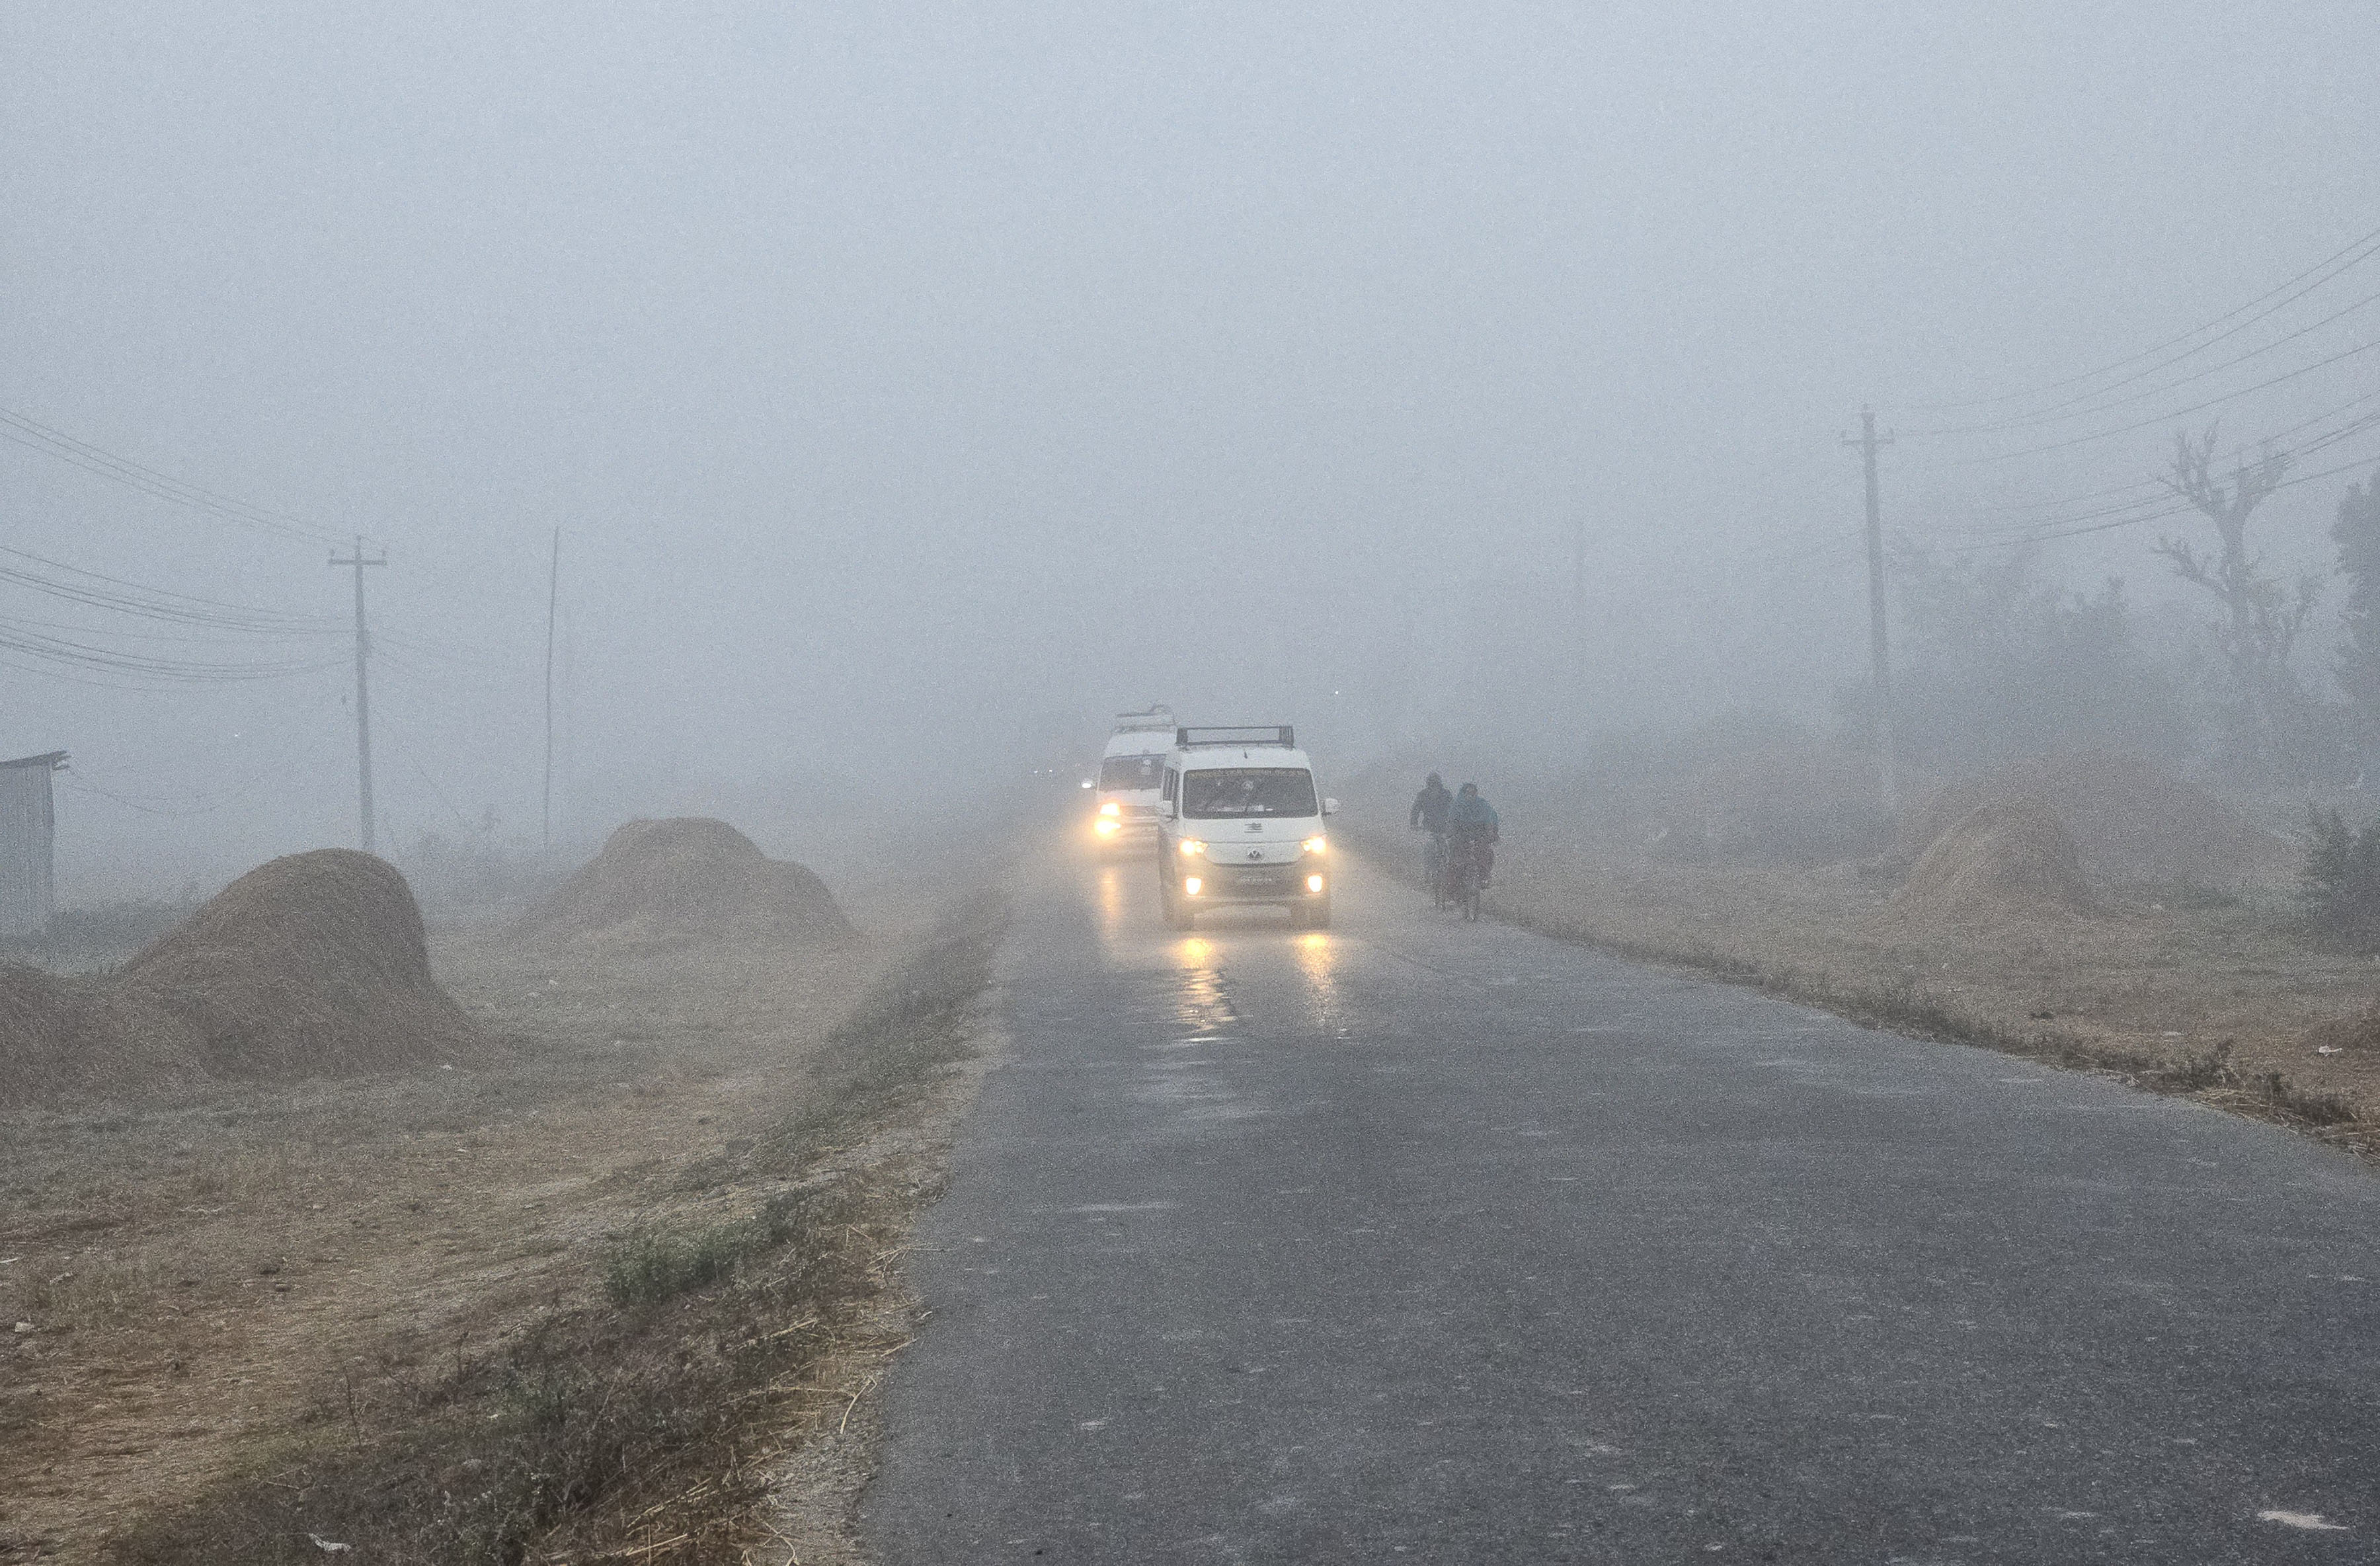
[1192, 885]
[1111, 808]
[1314, 844]
[1192, 847]
[1107, 826]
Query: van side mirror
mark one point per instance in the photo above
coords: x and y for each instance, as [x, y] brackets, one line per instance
[1165, 809]
[1088, 783]
[1329, 806]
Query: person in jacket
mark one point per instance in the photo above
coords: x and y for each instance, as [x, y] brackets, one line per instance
[1471, 827]
[1429, 807]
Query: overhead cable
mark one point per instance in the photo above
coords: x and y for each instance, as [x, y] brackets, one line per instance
[2176, 413]
[2265, 305]
[113, 593]
[2076, 405]
[2181, 508]
[30, 432]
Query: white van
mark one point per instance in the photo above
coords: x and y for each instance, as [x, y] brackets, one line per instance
[1240, 822]
[1124, 806]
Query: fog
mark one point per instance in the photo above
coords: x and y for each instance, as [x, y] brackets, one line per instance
[913, 387]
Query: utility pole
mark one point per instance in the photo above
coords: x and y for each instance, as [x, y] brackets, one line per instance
[1578, 640]
[1878, 639]
[1578, 567]
[553, 595]
[363, 689]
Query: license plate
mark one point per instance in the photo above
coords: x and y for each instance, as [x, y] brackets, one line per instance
[1262, 878]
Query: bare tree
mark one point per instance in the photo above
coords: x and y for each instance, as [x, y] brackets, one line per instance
[2261, 618]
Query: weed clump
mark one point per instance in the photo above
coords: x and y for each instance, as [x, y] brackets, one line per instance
[648, 1265]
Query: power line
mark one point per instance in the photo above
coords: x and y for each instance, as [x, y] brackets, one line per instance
[61, 650]
[2291, 454]
[103, 591]
[2320, 272]
[2181, 509]
[2177, 413]
[2052, 415]
[2239, 449]
[27, 431]
[80, 784]
[79, 627]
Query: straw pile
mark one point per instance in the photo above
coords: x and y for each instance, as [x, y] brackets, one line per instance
[2131, 822]
[2006, 860]
[312, 965]
[686, 878]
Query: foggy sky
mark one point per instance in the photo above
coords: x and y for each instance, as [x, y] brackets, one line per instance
[914, 386]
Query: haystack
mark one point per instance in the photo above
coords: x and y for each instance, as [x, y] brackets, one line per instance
[689, 878]
[312, 965]
[36, 1009]
[2005, 860]
[2131, 822]
[309, 964]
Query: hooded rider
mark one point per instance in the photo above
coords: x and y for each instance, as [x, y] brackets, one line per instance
[1429, 807]
[1472, 826]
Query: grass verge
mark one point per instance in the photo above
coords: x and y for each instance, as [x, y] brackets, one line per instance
[2211, 1076]
[631, 1419]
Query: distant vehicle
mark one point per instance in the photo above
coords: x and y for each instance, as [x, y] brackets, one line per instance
[1240, 823]
[1125, 802]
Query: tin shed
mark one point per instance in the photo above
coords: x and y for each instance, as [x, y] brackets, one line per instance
[27, 827]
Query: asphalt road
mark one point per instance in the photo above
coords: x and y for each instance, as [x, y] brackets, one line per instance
[1417, 1240]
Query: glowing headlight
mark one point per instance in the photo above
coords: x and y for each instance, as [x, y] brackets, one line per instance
[1314, 883]
[1191, 884]
[1314, 844]
[1192, 847]
[1111, 808]
[1107, 826]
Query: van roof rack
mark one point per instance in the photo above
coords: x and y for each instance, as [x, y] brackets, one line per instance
[1281, 734]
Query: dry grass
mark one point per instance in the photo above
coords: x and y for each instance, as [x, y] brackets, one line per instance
[686, 878]
[2179, 990]
[296, 1308]
[311, 964]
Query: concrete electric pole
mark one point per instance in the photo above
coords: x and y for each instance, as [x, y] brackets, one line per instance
[552, 596]
[1879, 637]
[363, 690]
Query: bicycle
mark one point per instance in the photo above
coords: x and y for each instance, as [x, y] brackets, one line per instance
[1433, 870]
[1464, 872]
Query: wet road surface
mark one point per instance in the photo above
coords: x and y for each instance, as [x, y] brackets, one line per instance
[1421, 1241]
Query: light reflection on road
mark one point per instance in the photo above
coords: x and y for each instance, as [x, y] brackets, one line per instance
[1110, 899]
[1318, 962]
[1205, 1005]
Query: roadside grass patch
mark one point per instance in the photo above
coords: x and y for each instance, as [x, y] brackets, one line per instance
[649, 1264]
[1907, 1007]
[636, 1417]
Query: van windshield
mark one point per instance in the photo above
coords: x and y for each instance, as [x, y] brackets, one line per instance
[1131, 772]
[1247, 791]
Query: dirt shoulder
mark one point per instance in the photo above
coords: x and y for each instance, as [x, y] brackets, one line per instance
[262, 1317]
[2178, 990]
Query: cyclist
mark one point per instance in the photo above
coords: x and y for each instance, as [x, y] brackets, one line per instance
[1429, 809]
[1471, 829]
